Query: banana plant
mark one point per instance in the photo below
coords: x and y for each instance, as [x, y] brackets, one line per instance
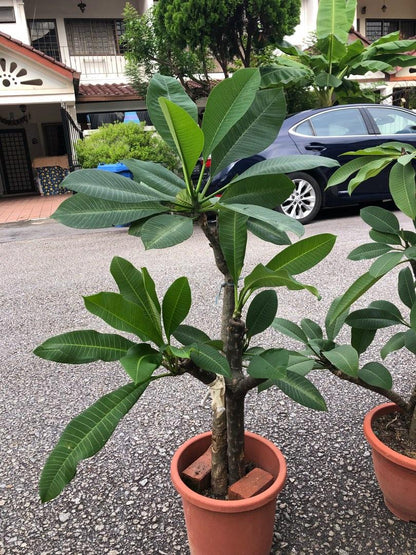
[242, 117]
[391, 248]
[331, 61]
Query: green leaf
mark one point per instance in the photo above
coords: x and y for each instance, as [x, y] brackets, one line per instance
[370, 169]
[261, 312]
[369, 250]
[263, 277]
[344, 172]
[290, 164]
[176, 304]
[122, 315]
[137, 287]
[376, 374]
[140, 362]
[86, 212]
[267, 232]
[165, 231]
[395, 343]
[385, 238]
[156, 177]
[410, 340]
[271, 364]
[84, 436]
[209, 359]
[304, 254]
[233, 240]
[253, 132]
[371, 319]
[227, 103]
[80, 347]
[406, 287]
[353, 293]
[110, 186]
[361, 339]
[188, 335]
[263, 189]
[278, 221]
[402, 188]
[387, 306]
[380, 219]
[311, 329]
[301, 390]
[345, 358]
[170, 88]
[290, 329]
[385, 263]
[187, 136]
[333, 326]
[301, 366]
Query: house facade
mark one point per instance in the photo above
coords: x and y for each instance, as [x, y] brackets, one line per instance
[62, 71]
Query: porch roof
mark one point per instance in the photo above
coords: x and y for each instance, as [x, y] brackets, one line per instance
[107, 92]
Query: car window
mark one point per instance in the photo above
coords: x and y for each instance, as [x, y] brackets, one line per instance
[336, 123]
[305, 128]
[391, 121]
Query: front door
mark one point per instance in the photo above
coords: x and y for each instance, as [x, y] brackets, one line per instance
[15, 163]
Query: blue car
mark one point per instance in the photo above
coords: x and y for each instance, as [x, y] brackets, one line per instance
[330, 132]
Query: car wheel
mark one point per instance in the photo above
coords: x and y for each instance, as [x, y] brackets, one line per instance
[305, 201]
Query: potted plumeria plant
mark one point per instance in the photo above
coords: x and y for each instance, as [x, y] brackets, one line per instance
[390, 428]
[241, 118]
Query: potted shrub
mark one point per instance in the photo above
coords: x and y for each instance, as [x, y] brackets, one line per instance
[241, 118]
[391, 428]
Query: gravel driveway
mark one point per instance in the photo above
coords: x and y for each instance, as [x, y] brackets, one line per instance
[122, 502]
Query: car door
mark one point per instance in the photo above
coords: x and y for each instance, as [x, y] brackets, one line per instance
[333, 132]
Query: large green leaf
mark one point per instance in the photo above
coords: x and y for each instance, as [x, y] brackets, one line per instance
[346, 170]
[376, 374]
[353, 293]
[156, 176]
[271, 364]
[387, 306]
[264, 189]
[368, 251]
[406, 287]
[370, 169]
[402, 188]
[333, 326]
[311, 328]
[84, 436]
[165, 231]
[261, 312]
[261, 276]
[288, 164]
[304, 254]
[233, 240]
[253, 132]
[380, 219]
[362, 339]
[301, 390]
[344, 358]
[210, 359]
[290, 329]
[226, 104]
[188, 335]
[86, 212]
[137, 287]
[187, 135]
[372, 319]
[140, 362]
[123, 315]
[267, 232]
[80, 347]
[385, 238]
[385, 263]
[278, 221]
[170, 88]
[395, 343]
[176, 304]
[111, 186]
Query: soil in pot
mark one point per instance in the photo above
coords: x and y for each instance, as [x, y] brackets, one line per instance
[392, 430]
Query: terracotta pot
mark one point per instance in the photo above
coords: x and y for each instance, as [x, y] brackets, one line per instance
[243, 527]
[395, 473]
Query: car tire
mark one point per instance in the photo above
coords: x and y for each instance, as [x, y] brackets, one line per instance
[305, 201]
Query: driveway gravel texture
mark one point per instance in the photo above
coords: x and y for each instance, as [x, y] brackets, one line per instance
[122, 502]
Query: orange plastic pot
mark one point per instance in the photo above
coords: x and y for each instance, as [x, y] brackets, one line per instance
[395, 473]
[243, 527]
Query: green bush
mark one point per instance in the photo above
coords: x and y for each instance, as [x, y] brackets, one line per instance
[118, 141]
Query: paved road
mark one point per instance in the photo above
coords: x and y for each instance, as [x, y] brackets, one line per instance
[122, 502]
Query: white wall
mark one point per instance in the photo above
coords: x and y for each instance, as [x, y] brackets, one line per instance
[16, 30]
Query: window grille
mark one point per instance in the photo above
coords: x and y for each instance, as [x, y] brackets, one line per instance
[94, 36]
[44, 37]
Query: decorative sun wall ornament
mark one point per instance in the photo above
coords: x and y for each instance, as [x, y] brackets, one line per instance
[11, 75]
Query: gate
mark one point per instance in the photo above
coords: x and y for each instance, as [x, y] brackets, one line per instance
[15, 162]
[72, 134]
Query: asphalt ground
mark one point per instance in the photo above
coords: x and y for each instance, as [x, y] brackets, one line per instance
[121, 501]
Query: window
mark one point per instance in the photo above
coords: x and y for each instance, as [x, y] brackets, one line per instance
[44, 37]
[335, 123]
[391, 121]
[94, 36]
[377, 28]
[7, 15]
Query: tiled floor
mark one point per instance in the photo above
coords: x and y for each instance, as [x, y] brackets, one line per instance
[19, 209]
